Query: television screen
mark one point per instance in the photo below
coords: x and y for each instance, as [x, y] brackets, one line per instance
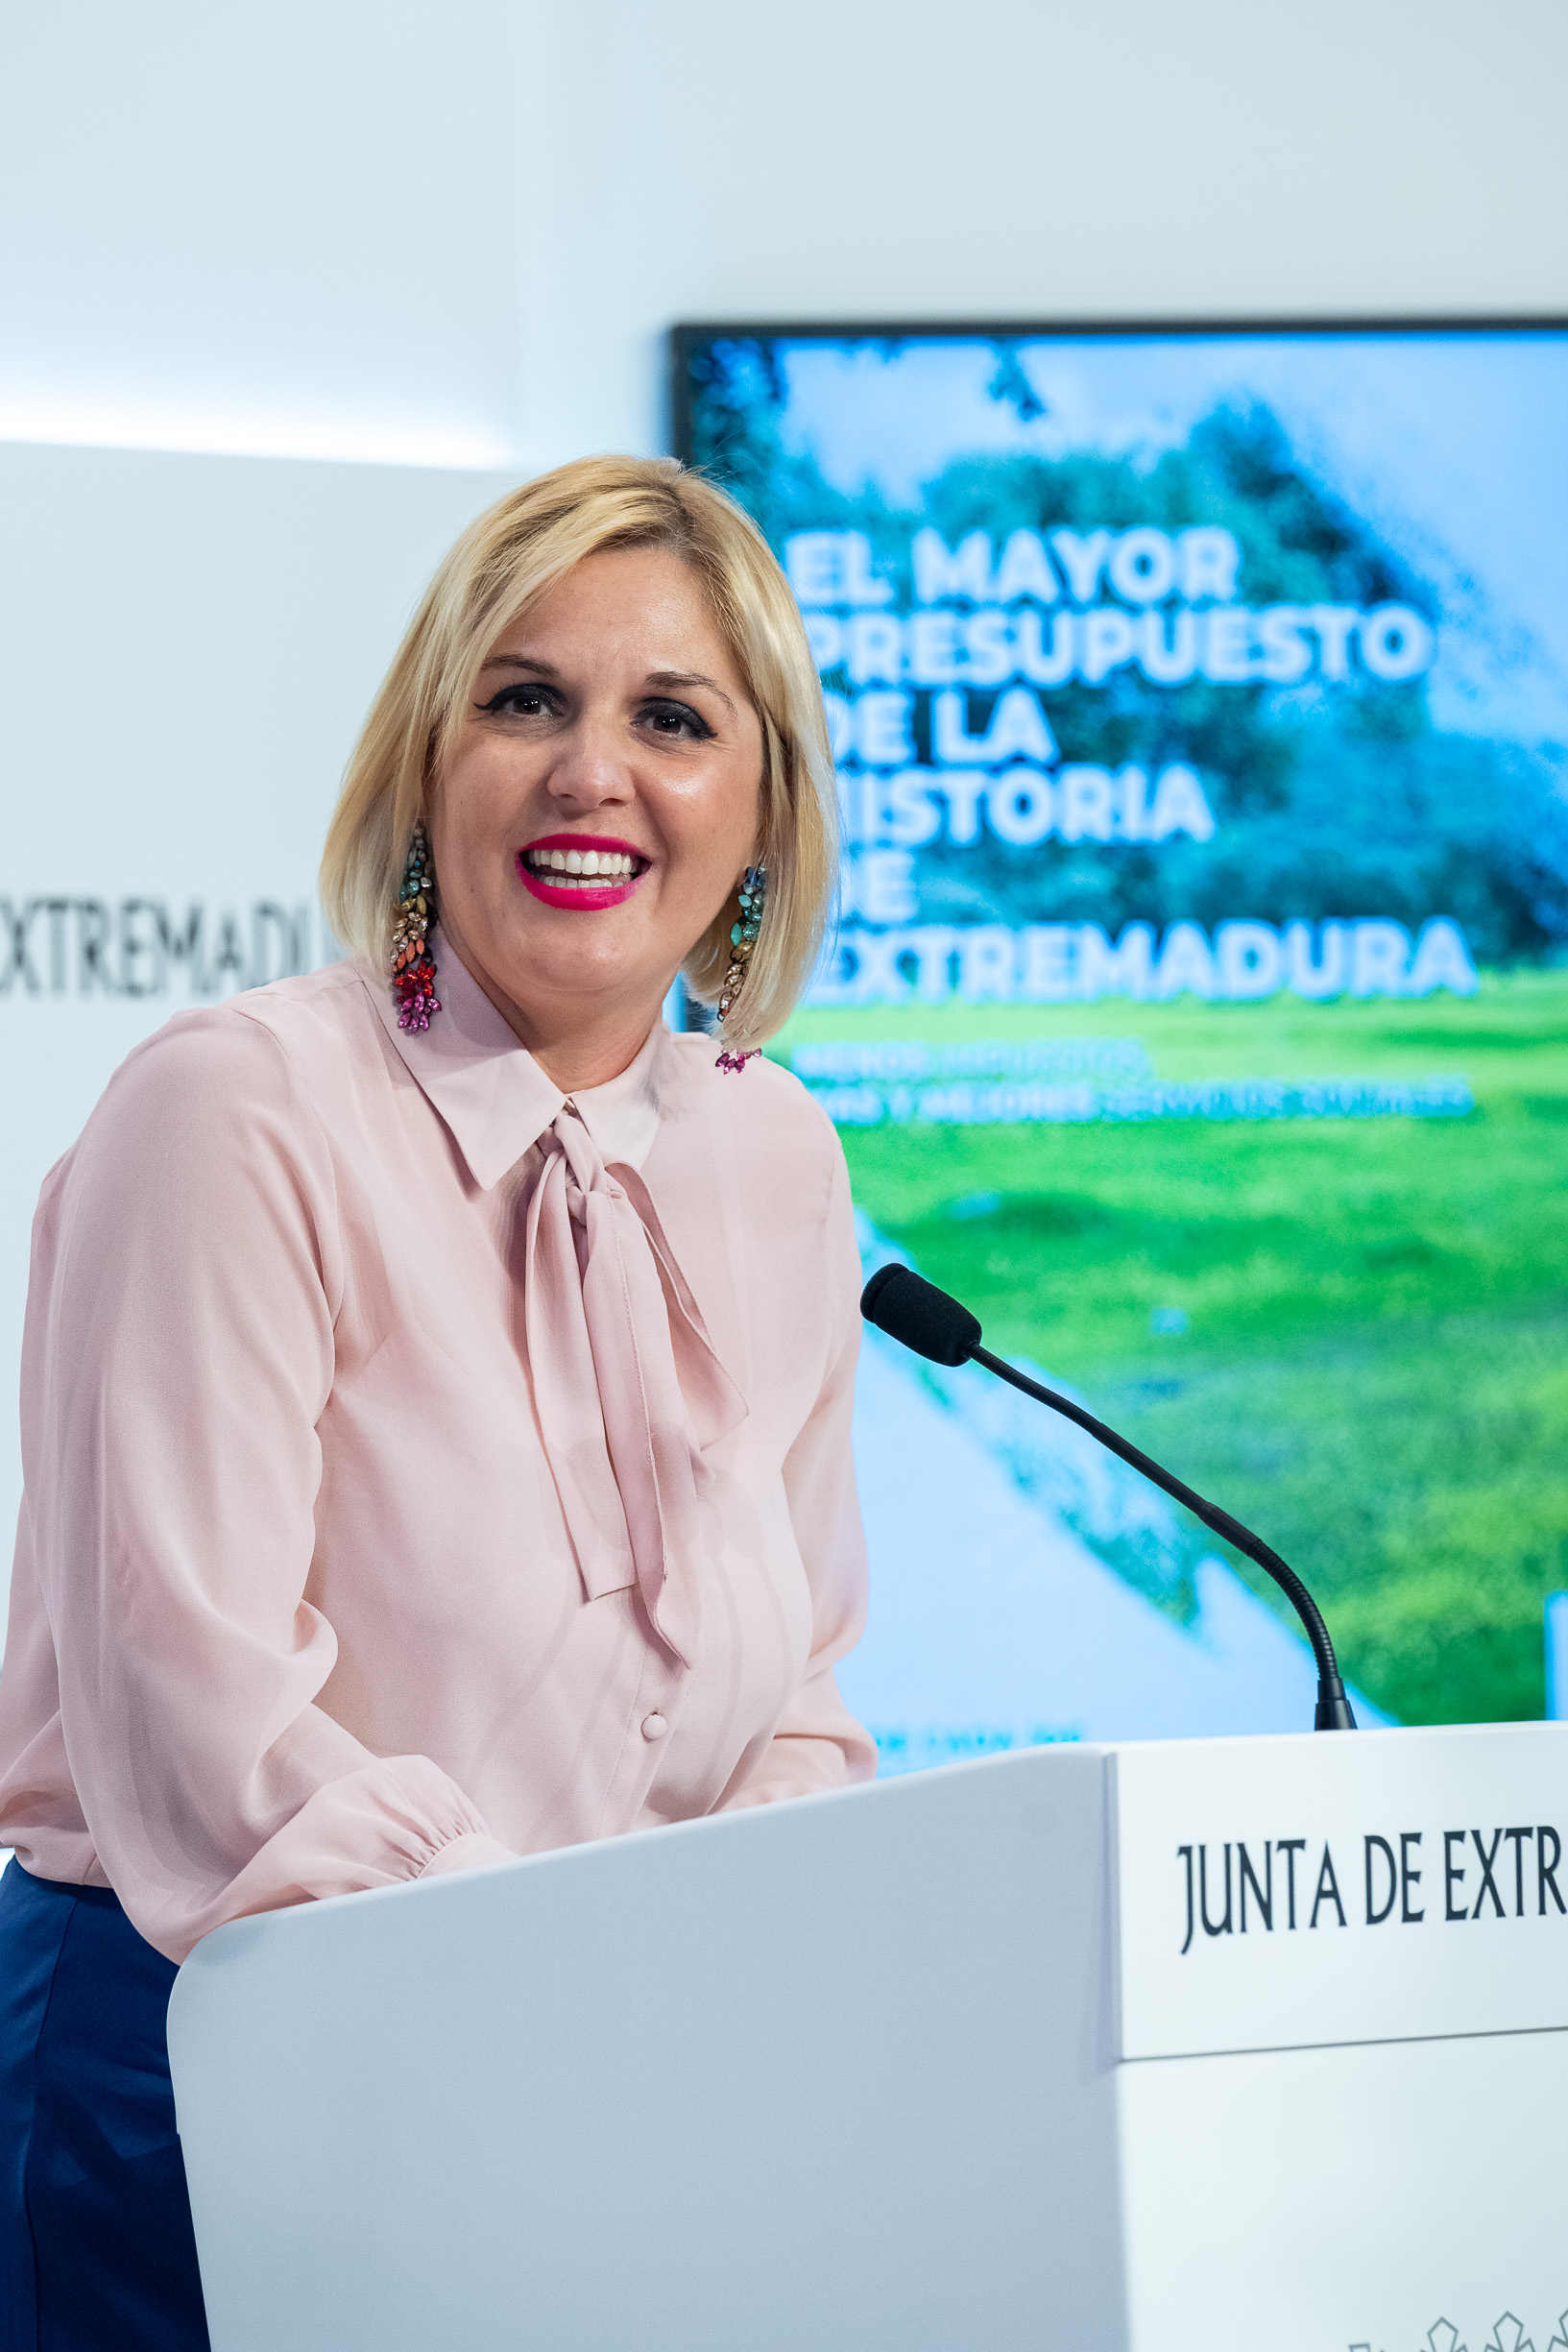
[1198, 1008]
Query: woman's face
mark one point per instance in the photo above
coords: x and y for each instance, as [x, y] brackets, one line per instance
[600, 803]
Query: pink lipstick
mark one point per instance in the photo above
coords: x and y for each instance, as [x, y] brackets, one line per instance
[585, 871]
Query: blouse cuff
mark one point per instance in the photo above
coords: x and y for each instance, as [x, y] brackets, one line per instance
[471, 1850]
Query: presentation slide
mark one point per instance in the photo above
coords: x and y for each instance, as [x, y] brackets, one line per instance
[1199, 1002]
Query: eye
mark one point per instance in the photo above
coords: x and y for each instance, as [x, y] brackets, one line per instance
[527, 699]
[677, 723]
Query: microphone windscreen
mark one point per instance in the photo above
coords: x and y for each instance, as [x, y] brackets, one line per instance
[913, 1311]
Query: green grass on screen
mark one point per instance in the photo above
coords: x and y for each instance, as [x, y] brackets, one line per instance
[1374, 1372]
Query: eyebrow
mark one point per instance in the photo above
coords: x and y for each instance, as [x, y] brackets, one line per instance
[654, 677]
[689, 677]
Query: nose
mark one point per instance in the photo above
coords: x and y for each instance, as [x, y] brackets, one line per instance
[591, 769]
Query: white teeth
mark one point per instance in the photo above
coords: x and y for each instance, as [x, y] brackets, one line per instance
[574, 870]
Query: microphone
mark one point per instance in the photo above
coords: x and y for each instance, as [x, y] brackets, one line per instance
[913, 1311]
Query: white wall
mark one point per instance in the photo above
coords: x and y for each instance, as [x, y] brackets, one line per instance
[285, 229]
[1007, 158]
[454, 230]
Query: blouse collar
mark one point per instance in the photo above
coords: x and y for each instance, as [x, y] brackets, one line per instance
[493, 1094]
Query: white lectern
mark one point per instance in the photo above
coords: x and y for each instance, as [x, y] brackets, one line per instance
[1251, 2045]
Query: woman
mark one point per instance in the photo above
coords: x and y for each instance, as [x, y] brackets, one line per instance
[437, 1377]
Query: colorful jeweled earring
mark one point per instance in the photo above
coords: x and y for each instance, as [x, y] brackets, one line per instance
[742, 942]
[413, 966]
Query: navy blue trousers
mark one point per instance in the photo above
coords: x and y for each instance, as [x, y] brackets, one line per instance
[96, 2247]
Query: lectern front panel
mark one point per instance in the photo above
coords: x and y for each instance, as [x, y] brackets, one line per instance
[1328, 1889]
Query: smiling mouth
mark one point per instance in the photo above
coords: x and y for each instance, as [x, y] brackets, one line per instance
[584, 867]
[567, 869]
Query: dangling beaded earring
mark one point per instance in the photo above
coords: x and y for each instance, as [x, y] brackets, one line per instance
[413, 966]
[742, 940]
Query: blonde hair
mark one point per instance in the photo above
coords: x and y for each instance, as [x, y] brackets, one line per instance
[517, 552]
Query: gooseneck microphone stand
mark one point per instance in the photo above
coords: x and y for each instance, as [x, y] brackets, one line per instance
[910, 1309]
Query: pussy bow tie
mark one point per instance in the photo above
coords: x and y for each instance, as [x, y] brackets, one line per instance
[629, 1393]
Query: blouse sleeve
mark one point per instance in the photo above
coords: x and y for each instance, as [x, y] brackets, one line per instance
[177, 1357]
[818, 1744]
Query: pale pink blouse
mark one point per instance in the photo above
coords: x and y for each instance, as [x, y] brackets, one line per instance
[422, 1467]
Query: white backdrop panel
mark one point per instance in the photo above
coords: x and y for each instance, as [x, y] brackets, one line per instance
[187, 646]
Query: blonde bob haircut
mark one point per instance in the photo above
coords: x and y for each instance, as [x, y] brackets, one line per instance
[514, 554]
